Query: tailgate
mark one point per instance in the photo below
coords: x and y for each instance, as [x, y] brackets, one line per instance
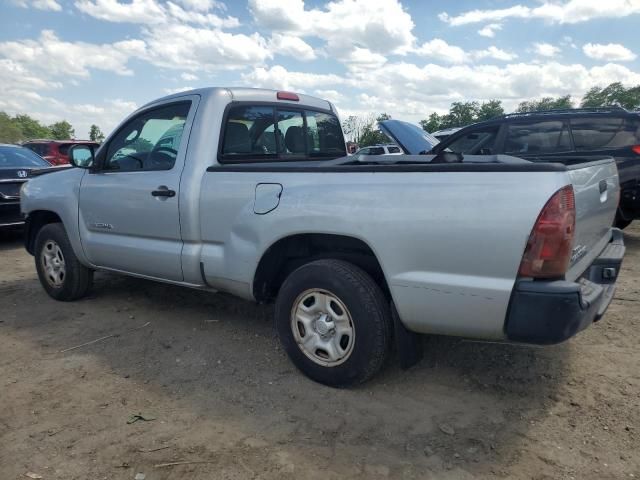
[596, 189]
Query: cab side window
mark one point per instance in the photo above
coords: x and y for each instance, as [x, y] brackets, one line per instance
[477, 142]
[539, 137]
[149, 141]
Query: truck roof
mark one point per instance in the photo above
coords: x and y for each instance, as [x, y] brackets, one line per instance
[242, 94]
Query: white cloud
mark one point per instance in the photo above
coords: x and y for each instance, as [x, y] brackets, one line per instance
[359, 59]
[107, 114]
[279, 78]
[292, 46]
[57, 58]
[13, 74]
[178, 14]
[613, 52]
[543, 49]
[52, 5]
[489, 30]
[331, 95]
[188, 77]
[170, 91]
[137, 11]
[572, 11]
[179, 46]
[152, 12]
[202, 5]
[382, 26]
[409, 91]
[494, 53]
[440, 50]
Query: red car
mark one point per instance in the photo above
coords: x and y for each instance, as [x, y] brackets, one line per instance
[55, 151]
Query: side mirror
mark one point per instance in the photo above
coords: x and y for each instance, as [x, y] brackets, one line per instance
[81, 156]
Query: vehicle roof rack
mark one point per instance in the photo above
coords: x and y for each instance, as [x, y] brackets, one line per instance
[612, 108]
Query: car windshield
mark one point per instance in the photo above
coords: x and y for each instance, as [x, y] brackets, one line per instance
[11, 157]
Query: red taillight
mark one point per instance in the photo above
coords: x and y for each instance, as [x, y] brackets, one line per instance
[549, 247]
[288, 96]
[636, 149]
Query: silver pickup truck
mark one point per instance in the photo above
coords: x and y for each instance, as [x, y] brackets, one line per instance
[250, 192]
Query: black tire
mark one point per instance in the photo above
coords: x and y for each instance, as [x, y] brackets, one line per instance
[77, 279]
[368, 309]
[621, 222]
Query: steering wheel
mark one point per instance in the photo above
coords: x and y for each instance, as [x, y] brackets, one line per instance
[139, 160]
[166, 149]
[162, 158]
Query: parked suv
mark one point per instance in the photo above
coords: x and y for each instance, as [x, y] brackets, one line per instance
[610, 131]
[390, 149]
[55, 151]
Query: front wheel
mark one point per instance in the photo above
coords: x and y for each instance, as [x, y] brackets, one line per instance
[334, 322]
[61, 274]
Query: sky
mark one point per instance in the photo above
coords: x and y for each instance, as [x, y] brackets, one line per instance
[96, 61]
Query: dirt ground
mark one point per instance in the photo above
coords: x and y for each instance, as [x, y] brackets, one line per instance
[224, 396]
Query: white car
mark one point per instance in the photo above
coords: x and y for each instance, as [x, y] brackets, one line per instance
[390, 149]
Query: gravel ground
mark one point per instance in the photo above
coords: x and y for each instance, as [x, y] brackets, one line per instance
[218, 392]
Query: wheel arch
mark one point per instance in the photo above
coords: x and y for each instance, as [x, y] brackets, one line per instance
[34, 222]
[290, 252]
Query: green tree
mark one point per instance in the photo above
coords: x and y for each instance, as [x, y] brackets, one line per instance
[353, 127]
[95, 134]
[433, 123]
[62, 130]
[30, 127]
[489, 110]
[545, 103]
[613, 94]
[371, 134]
[461, 114]
[9, 131]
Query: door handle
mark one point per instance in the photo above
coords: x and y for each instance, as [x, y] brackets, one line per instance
[602, 186]
[163, 192]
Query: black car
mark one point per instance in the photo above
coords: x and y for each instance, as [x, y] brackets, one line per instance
[16, 166]
[611, 131]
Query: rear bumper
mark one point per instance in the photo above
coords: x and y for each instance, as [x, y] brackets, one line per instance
[548, 312]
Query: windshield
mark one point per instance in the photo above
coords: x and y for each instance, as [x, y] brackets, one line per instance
[16, 157]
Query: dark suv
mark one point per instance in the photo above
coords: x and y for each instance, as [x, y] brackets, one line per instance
[611, 131]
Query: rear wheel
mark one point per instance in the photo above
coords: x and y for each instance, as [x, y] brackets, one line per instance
[61, 274]
[621, 222]
[334, 322]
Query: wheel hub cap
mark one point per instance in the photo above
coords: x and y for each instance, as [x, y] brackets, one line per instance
[53, 264]
[322, 327]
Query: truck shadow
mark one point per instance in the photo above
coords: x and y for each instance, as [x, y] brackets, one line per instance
[215, 360]
[465, 405]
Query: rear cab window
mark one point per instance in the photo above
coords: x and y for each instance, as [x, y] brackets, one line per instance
[597, 133]
[550, 136]
[279, 133]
